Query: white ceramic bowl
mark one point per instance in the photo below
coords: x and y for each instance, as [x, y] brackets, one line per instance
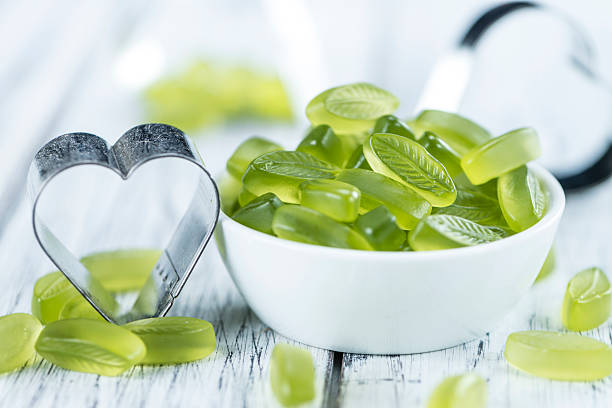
[386, 302]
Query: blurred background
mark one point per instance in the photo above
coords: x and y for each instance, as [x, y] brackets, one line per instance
[226, 70]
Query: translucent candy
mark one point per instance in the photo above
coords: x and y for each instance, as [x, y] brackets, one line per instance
[333, 198]
[409, 163]
[458, 132]
[380, 229]
[407, 206]
[51, 293]
[474, 206]
[78, 307]
[443, 153]
[171, 340]
[357, 160]
[90, 346]
[229, 190]
[18, 334]
[391, 124]
[292, 374]
[586, 304]
[548, 267]
[460, 391]
[122, 270]
[322, 143]
[441, 231]
[245, 196]
[500, 155]
[521, 198]
[258, 214]
[281, 173]
[559, 356]
[302, 224]
[248, 151]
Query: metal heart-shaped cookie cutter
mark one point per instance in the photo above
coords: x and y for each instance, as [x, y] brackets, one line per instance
[137, 146]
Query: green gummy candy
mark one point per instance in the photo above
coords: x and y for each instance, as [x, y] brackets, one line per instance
[90, 346]
[521, 198]
[442, 152]
[302, 224]
[292, 375]
[548, 267]
[559, 356]
[333, 198]
[171, 340]
[258, 213]
[78, 307]
[51, 293]
[322, 143]
[586, 304]
[380, 229]
[406, 205]
[474, 206]
[18, 334]
[391, 124]
[122, 270]
[458, 132]
[501, 155]
[281, 173]
[245, 196]
[248, 151]
[357, 160]
[441, 231]
[229, 191]
[460, 391]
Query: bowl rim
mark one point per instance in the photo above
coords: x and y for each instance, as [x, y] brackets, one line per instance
[556, 205]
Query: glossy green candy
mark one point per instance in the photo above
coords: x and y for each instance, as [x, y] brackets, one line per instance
[443, 153]
[248, 151]
[292, 375]
[18, 334]
[586, 304]
[474, 206]
[229, 190]
[333, 198]
[258, 214]
[281, 173]
[322, 143]
[548, 267]
[302, 224]
[51, 293]
[500, 155]
[460, 391]
[391, 124]
[171, 340]
[351, 108]
[559, 356]
[409, 163]
[357, 160]
[380, 229]
[521, 198]
[90, 346]
[407, 206]
[458, 132]
[122, 270]
[441, 231]
[245, 196]
[78, 307]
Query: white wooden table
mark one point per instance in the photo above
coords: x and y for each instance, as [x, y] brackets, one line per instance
[66, 86]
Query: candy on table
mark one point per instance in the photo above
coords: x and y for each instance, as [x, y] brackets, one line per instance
[351, 108]
[79, 307]
[333, 198]
[474, 206]
[521, 198]
[18, 334]
[357, 160]
[292, 375]
[441, 231]
[407, 206]
[380, 229]
[391, 124]
[90, 346]
[458, 132]
[246, 152]
[501, 155]
[171, 340]
[122, 270]
[302, 224]
[460, 391]
[229, 191]
[548, 267]
[409, 163]
[51, 293]
[245, 196]
[322, 143]
[442, 152]
[282, 172]
[586, 304]
[258, 214]
[559, 356]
